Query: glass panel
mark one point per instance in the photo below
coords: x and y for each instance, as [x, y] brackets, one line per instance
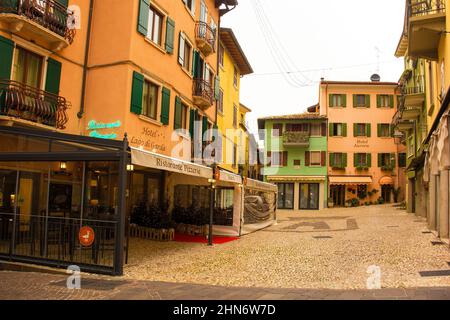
[223, 212]
[304, 194]
[289, 199]
[8, 179]
[314, 196]
[157, 31]
[153, 186]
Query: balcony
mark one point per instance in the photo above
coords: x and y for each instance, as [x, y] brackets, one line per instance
[401, 124]
[412, 99]
[205, 38]
[426, 24]
[203, 94]
[296, 139]
[40, 21]
[29, 106]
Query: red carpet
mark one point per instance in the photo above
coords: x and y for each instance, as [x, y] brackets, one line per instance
[202, 239]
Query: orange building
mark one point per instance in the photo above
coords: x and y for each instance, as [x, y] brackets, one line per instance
[365, 164]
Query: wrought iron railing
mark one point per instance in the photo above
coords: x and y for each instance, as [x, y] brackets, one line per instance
[417, 87]
[296, 137]
[204, 90]
[24, 102]
[426, 7]
[204, 31]
[48, 13]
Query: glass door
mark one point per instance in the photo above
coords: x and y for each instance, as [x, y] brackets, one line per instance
[286, 196]
[309, 196]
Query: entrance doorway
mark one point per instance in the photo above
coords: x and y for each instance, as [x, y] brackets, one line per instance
[309, 196]
[338, 195]
[386, 192]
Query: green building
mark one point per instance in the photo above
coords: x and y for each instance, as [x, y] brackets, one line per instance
[296, 159]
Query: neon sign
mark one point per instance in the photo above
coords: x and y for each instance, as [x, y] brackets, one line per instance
[94, 126]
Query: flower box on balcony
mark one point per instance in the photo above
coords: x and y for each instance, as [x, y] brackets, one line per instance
[362, 168]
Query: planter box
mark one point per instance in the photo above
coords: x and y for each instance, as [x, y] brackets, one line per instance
[151, 233]
[192, 230]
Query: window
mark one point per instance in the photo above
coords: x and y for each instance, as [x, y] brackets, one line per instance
[27, 68]
[337, 130]
[235, 116]
[338, 100]
[279, 159]
[316, 158]
[385, 101]
[362, 160]
[361, 101]
[184, 53]
[402, 160]
[285, 196]
[277, 130]
[384, 130]
[155, 26]
[361, 130]
[384, 160]
[298, 127]
[150, 100]
[190, 5]
[221, 55]
[220, 101]
[337, 160]
[297, 163]
[234, 156]
[235, 77]
[316, 130]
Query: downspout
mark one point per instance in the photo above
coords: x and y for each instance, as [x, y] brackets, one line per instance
[86, 59]
[217, 62]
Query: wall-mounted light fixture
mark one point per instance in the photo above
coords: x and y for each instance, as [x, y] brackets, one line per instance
[130, 167]
[63, 165]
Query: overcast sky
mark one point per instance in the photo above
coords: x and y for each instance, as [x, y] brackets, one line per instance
[337, 40]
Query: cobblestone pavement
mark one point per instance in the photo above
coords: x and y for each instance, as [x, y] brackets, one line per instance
[330, 249]
[39, 286]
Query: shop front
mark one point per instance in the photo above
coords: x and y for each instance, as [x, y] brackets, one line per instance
[348, 191]
[62, 200]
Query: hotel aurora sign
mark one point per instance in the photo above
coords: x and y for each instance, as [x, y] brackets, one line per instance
[156, 161]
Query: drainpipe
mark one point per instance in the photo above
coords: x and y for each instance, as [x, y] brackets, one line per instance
[86, 57]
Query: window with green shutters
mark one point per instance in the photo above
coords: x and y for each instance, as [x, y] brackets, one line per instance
[361, 101]
[338, 160]
[170, 35]
[137, 92]
[204, 128]
[386, 161]
[53, 78]
[144, 9]
[179, 121]
[192, 123]
[338, 129]
[6, 54]
[384, 130]
[385, 101]
[362, 161]
[165, 106]
[362, 130]
[338, 100]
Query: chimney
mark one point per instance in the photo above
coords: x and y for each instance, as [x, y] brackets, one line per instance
[375, 78]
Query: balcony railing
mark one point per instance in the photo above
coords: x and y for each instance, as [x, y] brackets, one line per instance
[48, 13]
[206, 37]
[418, 87]
[203, 93]
[20, 101]
[426, 7]
[296, 138]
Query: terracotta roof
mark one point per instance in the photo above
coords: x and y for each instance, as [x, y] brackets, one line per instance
[233, 47]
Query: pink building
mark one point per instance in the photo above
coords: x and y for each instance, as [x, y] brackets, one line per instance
[366, 164]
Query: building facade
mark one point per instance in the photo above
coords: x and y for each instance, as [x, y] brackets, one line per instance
[296, 150]
[365, 164]
[233, 65]
[424, 113]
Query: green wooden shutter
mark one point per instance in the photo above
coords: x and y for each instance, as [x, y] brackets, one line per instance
[367, 101]
[6, 54]
[355, 159]
[170, 35]
[165, 106]
[137, 91]
[178, 114]
[191, 123]
[217, 88]
[378, 101]
[369, 160]
[204, 126]
[344, 160]
[344, 130]
[307, 158]
[368, 130]
[355, 101]
[332, 163]
[391, 101]
[330, 130]
[330, 97]
[65, 3]
[380, 155]
[344, 100]
[355, 129]
[195, 67]
[379, 130]
[53, 78]
[144, 9]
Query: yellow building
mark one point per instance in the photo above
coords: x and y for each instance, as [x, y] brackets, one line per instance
[424, 113]
[233, 64]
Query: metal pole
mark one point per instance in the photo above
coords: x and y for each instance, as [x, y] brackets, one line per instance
[211, 207]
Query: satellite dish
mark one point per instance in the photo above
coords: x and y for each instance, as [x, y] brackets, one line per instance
[375, 78]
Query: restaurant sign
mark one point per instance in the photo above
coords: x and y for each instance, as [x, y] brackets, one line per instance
[155, 161]
[94, 127]
[230, 177]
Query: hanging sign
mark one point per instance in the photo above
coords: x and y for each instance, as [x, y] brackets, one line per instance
[86, 236]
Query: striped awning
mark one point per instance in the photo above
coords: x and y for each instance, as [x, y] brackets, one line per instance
[350, 180]
[296, 178]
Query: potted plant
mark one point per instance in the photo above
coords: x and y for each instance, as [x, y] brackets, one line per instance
[396, 193]
[330, 202]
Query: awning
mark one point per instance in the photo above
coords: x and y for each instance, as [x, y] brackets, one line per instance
[226, 176]
[259, 185]
[386, 181]
[296, 178]
[156, 161]
[350, 180]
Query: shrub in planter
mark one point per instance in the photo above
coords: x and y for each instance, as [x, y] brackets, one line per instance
[381, 200]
